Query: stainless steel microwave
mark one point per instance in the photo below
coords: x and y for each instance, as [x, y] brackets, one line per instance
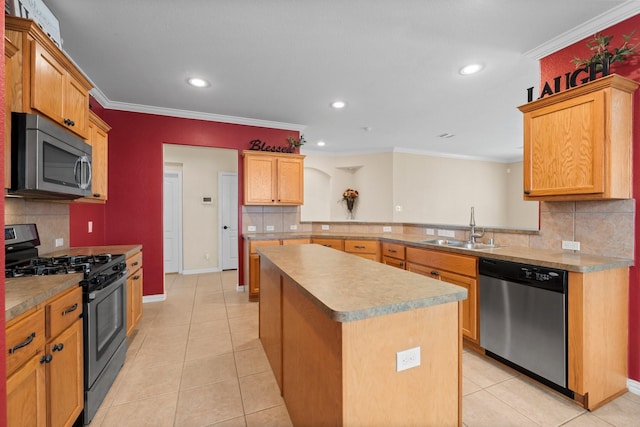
[47, 161]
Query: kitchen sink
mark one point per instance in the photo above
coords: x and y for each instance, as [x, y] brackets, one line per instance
[459, 244]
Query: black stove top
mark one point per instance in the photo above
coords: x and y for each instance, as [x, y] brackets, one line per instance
[42, 266]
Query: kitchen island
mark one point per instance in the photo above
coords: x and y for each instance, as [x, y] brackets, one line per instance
[332, 325]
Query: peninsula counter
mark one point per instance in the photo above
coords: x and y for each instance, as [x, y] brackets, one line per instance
[332, 324]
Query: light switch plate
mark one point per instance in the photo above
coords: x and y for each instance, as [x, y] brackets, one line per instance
[59, 242]
[325, 227]
[386, 229]
[430, 231]
[570, 245]
[293, 227]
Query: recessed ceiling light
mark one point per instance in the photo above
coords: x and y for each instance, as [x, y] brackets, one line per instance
[321, 144]
[446, 135]
[338, 104]
[470, 69]
[197, 82]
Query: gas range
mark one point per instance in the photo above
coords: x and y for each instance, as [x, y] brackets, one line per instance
[22, 260]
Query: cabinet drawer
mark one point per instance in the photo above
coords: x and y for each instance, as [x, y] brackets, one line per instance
[393, 250]
[255, 244]
[361, 246]
[456, 263]
[134, 262]
[24, 339]
[63, 311]
[296, 241]
[330, 243]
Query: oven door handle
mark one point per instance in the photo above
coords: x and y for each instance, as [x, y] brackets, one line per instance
[93, 295]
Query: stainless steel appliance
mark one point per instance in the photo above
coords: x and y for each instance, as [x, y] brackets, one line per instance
[47, 161]
[103, 311]
[523, 319]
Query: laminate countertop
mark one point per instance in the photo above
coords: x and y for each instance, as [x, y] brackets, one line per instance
[348, 288]
[24, 293]
[564, 260]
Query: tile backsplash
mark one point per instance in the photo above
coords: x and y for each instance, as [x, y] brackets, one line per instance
[51, 218]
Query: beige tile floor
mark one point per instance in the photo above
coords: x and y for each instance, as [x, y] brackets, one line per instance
[196, 360]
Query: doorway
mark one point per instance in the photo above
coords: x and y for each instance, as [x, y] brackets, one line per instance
[228, 190]
[172, 215]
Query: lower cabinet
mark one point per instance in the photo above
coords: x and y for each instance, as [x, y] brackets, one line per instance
[45, 377]
[337, 244]
[254, 261]
[369, 249]
[393, 254]
[134, 291]
[456, 269]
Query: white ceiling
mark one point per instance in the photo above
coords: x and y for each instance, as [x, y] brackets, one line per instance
[280, 63]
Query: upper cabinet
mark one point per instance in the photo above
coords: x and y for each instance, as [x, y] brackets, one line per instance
[273, 179]
[578, 143]
[44, 80]
[99, 141]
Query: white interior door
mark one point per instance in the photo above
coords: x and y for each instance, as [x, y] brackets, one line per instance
[172, 222]
[228, 220]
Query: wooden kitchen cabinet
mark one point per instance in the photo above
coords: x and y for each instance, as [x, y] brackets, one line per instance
[457, 269]
[393, 254]
[578, 143]
[44, 80]
[45, 374]
[337, 244]
[253, 264]
[369, 249]
[9, 51]
[99, 141]
[134, 291]
[273, 179]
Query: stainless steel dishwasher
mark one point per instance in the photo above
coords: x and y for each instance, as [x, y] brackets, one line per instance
[523, 319]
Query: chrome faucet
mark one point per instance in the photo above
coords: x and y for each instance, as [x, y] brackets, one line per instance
[472, 233]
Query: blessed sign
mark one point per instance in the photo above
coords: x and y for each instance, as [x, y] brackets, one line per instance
[258, 145]
[571, 80]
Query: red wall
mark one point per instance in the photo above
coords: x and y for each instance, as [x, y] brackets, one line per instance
[3, 384]
[133, 213]
[560, 63]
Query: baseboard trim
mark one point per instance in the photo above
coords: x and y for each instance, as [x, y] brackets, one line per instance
[633, 386]
[201, 271]
[239, 288]
[154, 298]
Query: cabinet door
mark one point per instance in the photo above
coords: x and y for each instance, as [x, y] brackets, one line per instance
[65, 380]
[290, 181]
[564, 147]
[337, 244]
[98, 139]
[394, 262]
[26, 395]
[76, 106]
[469, 306]
[48, 82]
[137, 297]
[259, 184]
[254, 276]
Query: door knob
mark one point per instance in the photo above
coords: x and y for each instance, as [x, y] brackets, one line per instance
[225, 227]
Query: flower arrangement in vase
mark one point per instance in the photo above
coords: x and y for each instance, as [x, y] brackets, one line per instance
[349, 196]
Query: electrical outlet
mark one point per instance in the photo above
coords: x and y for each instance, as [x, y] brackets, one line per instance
[386, 229]
[90, 226]
[446, 233]
[570, 245]
[293, 227]
[251, 228]
[398, 208]
[270, 228]
[59, 242]
[430, 231]
[407, 359]
[325, 227]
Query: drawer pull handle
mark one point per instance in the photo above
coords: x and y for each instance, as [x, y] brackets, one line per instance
[57, 347]
[23, 343]
[134, 264]
[435, 273]
[393, 251]
[71, 309]
[46, 359]
[326, 245]
[136, 277]
[359, 247]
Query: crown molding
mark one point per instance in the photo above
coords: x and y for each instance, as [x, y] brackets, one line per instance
[172, 112]
[589, 28]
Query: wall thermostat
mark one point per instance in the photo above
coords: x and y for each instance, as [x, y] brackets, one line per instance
[207, 200]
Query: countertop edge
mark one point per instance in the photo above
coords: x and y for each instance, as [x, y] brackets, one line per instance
[591, 263]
